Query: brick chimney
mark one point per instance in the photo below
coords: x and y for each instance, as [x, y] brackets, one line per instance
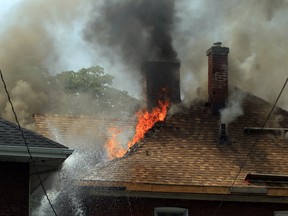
[217, 77]
[162, 82]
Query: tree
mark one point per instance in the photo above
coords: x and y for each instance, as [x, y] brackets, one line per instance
[91, 80]
[91, 92]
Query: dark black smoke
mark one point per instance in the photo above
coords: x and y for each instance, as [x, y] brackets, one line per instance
[136, 30]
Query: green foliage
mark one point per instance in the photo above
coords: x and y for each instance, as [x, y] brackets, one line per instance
[94, 85]
[90, 80]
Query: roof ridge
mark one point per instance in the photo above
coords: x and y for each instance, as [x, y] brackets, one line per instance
[80, 116]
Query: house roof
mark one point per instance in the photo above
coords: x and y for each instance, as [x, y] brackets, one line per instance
[74, 131]
[10, 135]
[47, 154]
[184, 154]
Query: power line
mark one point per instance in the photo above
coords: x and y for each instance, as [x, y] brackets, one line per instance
[26, 144]
[261, 131]
[255, 144]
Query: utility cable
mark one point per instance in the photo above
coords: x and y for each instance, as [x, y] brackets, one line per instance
[258, 137]
[255, 144]
[26, 144]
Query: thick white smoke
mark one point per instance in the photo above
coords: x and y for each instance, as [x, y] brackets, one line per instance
[253, 30]
[233, 107]
[28, 44]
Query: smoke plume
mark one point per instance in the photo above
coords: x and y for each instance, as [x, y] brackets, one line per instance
[132, 31]
[255, 33]
[27, 44]
[135, 30]
[233, 107]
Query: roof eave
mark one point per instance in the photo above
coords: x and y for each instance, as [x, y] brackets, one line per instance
[241, 193]
[36, 152]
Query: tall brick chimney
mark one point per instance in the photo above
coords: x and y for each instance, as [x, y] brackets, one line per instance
[217, 77]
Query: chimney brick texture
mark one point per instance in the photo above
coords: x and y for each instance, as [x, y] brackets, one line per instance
[217, 77]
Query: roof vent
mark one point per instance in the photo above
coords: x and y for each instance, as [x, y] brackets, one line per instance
[223, 134]
[268, 179]
[280, 132]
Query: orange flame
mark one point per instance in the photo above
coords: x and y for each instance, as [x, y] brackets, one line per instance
[146, 120]
[113, 147]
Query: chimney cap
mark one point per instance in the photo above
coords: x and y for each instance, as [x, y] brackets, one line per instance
[217, 44]
[217, 49]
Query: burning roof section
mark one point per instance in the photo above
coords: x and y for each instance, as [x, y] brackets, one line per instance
[87, 133]
[186, 150]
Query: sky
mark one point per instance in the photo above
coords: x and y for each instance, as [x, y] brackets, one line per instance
[67, 41]
[7, 4]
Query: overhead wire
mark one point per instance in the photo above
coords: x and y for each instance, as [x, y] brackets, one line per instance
[26, 144]
[254, 145]
[261, 131]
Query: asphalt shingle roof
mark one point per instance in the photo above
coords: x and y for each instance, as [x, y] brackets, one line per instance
[186, 150]
[75, 131]
[10, 135]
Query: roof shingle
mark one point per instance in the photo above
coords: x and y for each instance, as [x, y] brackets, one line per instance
[10, 135]
[186, 150]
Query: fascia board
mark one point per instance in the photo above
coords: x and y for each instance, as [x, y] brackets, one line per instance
[36, 152]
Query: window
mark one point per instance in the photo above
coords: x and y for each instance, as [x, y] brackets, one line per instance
[281, 213]
[170, 211]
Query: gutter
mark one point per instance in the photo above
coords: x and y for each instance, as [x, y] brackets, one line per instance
[21, 151]
[187, 196]
[240, 193]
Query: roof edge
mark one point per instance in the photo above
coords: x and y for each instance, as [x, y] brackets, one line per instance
[248, 190]
[21, 151]
[188, 196]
